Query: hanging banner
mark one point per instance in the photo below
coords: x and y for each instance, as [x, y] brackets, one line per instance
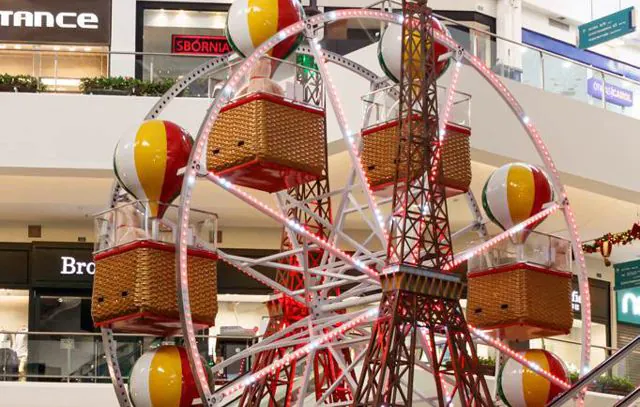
[627, 275]
[606, 28]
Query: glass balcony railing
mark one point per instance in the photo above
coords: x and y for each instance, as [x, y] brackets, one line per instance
[79, 357]
[382, 105]
[63, 70]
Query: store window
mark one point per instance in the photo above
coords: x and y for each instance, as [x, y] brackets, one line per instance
[174, 33]
[56, 41]
[345, 36]
[14, 309]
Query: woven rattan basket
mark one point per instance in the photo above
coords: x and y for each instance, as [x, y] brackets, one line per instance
[265, 142]
[380, 149]
[520, 301]
[134, 288]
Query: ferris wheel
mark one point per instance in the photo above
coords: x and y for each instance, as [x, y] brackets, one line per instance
[328, 286]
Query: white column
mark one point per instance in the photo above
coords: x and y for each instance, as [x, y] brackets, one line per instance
[123, 37]
[509, 26]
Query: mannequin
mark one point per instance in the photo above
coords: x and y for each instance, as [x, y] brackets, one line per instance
[6, 339]
[127, 225]
[21, 347]
[260, 80]
[8, 359]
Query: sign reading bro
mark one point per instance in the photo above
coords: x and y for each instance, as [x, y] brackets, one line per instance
[199, 44]
[71, 266]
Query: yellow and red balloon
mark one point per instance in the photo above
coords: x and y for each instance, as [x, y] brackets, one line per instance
[514, 193]
[162, 378]
[147, 163]
[519, 386]
[252, 22]
[390, 50]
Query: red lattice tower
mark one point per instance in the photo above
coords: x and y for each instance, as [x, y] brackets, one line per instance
[284, 311]
[420, 295]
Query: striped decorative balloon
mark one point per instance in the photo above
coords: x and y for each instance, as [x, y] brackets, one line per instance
[390, 50]
[252, 22]
[162, 378]
[519, 386]
[147, 163]
[515, 192]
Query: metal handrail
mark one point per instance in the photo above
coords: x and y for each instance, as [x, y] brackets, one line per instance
[597, 371]
[580, 343]
[629, 398]
[97, 334]
[540, 50]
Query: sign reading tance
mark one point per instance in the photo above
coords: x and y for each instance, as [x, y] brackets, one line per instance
[199, 44]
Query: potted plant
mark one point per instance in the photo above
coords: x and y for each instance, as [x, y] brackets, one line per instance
[100, 85]
[124, 86]
[487, 366]
[20, 83]
[617, 385]
[155, 88]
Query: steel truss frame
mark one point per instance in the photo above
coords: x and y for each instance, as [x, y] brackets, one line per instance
[419, 246]
[347, 332]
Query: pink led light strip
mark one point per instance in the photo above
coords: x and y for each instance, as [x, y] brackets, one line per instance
[348, 135]
[484, 247]
[303, 351]
[444, 119]
[519, 358]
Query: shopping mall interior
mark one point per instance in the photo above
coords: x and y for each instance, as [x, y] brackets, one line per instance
[319, 202]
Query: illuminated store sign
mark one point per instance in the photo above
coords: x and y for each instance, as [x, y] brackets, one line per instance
[612, 94]
[628, 305]
[199, 44]
[575, 301]
[55, 21]
[68, 19]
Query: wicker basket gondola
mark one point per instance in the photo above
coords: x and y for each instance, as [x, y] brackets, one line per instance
[264, 142]
[380, 150]
[134, 288]
[520, 301]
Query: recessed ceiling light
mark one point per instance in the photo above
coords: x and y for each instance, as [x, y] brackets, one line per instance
[87, 49]
[17, 46]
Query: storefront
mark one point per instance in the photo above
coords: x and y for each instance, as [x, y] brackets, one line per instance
[177, 28]
[46, 288]
[57, 41]
[628, 314]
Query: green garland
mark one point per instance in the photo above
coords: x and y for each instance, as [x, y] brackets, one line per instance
[622, 238]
